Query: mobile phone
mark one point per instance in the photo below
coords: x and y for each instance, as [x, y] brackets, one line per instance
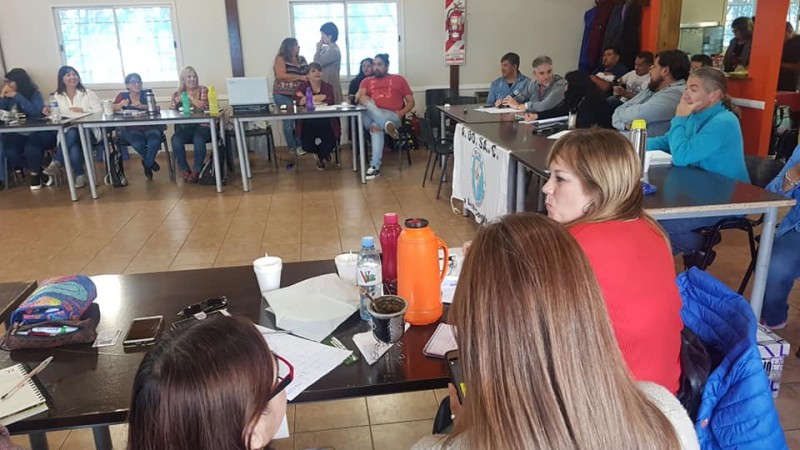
[143, 331]
[456, 375]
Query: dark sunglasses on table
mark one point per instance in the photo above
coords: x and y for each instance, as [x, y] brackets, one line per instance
[206, 306]
[285, 375]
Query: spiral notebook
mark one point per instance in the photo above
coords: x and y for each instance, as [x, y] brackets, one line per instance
[31, 399]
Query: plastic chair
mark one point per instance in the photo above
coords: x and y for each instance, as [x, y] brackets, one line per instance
[441, 148]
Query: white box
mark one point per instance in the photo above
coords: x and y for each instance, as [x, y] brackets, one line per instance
[773, 351]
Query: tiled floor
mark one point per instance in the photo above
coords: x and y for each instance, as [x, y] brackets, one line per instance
[156, 226]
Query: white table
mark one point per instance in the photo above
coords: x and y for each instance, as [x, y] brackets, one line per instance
[355, 113]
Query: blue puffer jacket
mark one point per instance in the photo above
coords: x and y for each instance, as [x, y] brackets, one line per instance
[737, 410]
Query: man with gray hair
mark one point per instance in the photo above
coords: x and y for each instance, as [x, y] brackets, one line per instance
[544, 92]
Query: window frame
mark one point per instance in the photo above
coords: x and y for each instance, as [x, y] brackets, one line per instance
[141, 4]
[727, 34]
[401, 61]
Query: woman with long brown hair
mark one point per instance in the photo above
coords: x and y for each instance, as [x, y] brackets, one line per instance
[594, 190]
[290, 71]
[193, 392]
[541, 366]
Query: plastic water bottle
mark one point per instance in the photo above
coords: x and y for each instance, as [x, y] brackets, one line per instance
[213, 102]
[187, 106]
[369, 274]
[639, 139]
[390, 232]
[55, 113]
[309, 99]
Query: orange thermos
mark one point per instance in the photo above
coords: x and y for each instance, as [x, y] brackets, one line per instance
[419, 276]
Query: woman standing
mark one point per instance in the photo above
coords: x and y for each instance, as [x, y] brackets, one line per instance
[317, 135]
[738, 52]
[73, 99]
[290, 71]
[329, 57]
[196, 134]
[146, 140]
[25, 150]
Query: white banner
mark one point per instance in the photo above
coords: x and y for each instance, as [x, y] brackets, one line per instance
[480, 174]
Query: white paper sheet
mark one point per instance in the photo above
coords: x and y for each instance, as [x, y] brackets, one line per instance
[371, 348]
[495, 110]
[326, 107]
[311, 360]
[558, 135]
[657, 158]
[313, 308]
[546, 121]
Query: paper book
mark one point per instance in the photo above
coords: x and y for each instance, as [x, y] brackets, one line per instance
[25, 402]
[442, 341]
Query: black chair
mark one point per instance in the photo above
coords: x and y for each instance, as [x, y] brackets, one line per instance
[434, 98]
[119, 142]
[761, 171]
[440, 148]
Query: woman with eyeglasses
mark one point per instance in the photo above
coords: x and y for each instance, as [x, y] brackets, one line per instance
[193, 392]
[145, 139]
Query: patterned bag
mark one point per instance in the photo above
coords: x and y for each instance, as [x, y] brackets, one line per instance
[62, 298]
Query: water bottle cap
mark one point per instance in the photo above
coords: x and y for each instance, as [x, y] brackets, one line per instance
[368, 241]
[416, 223]
[639, 124]
[390, 218]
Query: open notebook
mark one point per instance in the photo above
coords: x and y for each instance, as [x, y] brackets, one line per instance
[31, 399]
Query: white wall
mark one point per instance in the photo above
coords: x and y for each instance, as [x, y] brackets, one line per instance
[528, 27]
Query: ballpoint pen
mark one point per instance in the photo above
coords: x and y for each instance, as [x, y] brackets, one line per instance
[27, 377]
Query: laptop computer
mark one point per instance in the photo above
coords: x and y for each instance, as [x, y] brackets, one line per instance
[249, 94]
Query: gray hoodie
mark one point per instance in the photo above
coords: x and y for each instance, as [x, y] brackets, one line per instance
[550, 96]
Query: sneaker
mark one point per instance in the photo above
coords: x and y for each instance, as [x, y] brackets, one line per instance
[779, 326]
[80, 182]
[155, 167]
[185, 175]
[53, 170]
[299, 151]
[373, 173]
[320, 163]
[148, 171]
[36, 182]
[391, 129]
[48, 180]
[193, 176]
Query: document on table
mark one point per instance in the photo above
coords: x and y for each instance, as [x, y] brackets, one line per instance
[311, 360]
[558, 135]
[326, 107]
[495, 110]
[545, 121]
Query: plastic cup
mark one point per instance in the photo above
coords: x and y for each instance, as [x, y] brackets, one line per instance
[108, 107]
[388, 318]
[346, 267]
[268, 273]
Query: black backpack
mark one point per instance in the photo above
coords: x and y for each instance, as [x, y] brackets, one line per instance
[784, 134]
[206, 175]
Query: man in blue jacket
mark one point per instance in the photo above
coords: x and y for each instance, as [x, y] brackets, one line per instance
[511, 81]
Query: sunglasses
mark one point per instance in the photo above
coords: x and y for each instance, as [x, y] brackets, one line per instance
[285, 375]
[206, 306]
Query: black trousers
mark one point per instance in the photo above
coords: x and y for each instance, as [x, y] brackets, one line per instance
[318, 137]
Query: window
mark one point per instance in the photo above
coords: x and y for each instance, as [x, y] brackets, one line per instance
[747, 8]
[366, 28]
[106, 43]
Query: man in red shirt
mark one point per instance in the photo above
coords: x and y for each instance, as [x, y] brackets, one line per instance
[388, 98]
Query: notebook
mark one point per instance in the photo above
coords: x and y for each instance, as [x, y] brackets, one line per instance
[29, 400]
[442, 341]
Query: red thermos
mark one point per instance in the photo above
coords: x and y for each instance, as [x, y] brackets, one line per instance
[390, 232]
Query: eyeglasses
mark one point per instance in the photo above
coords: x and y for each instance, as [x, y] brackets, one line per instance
[285, 375]
[206, 306]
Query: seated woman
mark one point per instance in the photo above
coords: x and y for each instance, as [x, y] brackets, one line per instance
[594, 190]
[196, 134]
[146, 140]
[559, 380]
[364, 71]
[583, 98]
[73, 99]
[705, 133]
[25, 150]
[211, 399]
[318, 136]
[784, 264]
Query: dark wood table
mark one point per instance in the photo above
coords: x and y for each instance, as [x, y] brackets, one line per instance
[91, 387]
[12, 295]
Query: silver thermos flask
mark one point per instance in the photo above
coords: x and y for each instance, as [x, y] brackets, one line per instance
[639, 139]
[152, 110]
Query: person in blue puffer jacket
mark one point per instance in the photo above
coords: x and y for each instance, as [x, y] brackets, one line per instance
[736, 410]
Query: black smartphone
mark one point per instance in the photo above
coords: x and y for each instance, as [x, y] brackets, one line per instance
[456, 375]
[143, 331]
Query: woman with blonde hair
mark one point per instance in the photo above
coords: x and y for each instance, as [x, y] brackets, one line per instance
[541, 366]
[594, 190]
[196, 134]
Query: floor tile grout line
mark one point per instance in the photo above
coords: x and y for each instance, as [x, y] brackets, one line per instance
[149, 238]
[110, 240]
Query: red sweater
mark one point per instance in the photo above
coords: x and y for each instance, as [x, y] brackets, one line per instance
[635, 270]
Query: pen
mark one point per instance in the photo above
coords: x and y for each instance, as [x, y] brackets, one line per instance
[54, 331]
[27, 377]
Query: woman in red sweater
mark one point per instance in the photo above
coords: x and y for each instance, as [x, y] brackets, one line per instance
[594, 190]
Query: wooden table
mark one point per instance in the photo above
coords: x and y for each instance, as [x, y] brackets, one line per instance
[468, 114]
[12, 295]
[91, 387]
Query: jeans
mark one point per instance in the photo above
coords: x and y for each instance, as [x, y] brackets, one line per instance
[198, 136]
[75, 151]
[146, 142]
[288, 125]
[28, 151]
[378, 117]
[681, 235]
[784, 268]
